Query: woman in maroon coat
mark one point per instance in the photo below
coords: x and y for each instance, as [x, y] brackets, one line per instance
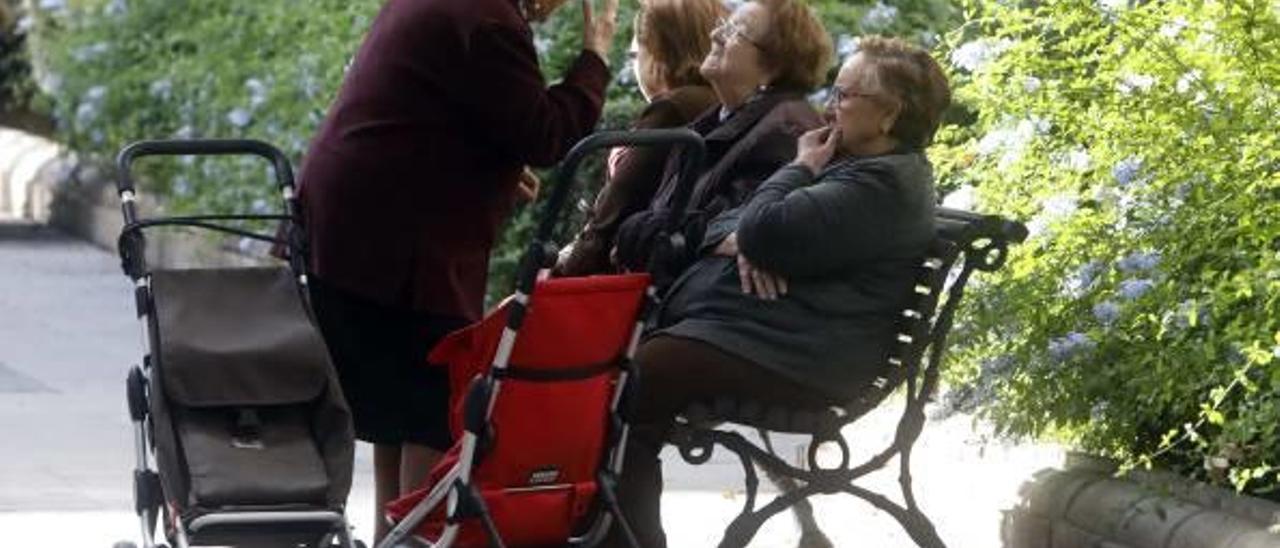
[404, 190]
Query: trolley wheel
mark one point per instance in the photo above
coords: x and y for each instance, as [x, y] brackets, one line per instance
[136, 388]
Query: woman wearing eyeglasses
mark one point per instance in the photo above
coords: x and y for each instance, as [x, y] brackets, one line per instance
[671, 38]
[765, 59]
[839, 230]
[405, 188]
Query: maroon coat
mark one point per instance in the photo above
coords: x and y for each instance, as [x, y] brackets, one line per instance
[413, 172]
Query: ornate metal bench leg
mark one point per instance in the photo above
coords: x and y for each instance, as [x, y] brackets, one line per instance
[811, 536]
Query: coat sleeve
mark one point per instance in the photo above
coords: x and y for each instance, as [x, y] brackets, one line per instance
[503, 90]
[797, 228]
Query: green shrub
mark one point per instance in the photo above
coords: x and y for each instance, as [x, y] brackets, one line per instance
[1142, 318]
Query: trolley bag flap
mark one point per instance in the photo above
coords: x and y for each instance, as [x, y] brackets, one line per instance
[237, 337]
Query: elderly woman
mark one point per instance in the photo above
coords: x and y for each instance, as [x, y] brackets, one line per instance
[765, 59]
[671, 39]
[406, 186]
[794, 299]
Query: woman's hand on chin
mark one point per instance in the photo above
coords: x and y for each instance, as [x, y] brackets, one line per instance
[817, 147]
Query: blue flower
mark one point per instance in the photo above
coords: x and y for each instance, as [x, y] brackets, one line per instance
[846, 46]
[162, 89]
[1133, 289]
[182, 185]
[239, 117]
[1189, 311]
[1139, 262]
[996, 366]
[52, 5]
[1106, 312]
[1127, 171]
[1074, 344]
[1082, 280]
[115, 8]
[879, 16]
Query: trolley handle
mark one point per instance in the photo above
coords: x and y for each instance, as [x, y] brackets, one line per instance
[695, 151]
[196, 147]
[539, 253]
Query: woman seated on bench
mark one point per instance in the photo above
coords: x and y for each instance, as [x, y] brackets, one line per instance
[794, 299]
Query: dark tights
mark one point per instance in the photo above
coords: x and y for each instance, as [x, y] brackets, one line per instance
[675, 372]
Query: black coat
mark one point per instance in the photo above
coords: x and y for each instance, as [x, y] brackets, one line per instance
[848, 241]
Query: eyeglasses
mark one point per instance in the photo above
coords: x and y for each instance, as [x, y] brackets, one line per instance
[728, 29]
[837, 94]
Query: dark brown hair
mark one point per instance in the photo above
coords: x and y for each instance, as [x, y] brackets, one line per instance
[912, 76]
[797, 45]
[677, 34]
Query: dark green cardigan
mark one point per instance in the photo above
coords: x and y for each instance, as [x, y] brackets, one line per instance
[847, 240]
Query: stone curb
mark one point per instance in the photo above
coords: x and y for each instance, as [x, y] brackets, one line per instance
[1088, 506]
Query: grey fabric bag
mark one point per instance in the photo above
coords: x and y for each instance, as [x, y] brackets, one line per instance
[247, 406]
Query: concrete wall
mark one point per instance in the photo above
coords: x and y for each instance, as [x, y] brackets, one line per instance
[41, 182]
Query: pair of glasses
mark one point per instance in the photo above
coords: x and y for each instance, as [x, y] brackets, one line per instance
[838, 94]
[728, 29]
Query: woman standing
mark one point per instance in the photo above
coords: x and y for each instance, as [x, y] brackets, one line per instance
[405, 188]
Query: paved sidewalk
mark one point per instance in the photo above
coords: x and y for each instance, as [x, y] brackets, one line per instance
[68, 334]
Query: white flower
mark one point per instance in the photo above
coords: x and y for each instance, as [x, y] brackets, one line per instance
[1076, 159]
[1082, 280]
[1113, 6]
[25, 24]
[1130, 83]
[257, 92]
[965, 197]
[1053, 209]
[1011, 140]
[49, 82]
[1173, 28]
[1031, 84]
[879, 16]
[975, 55]
[1189, 78]
[1060, 205]
[239, 117]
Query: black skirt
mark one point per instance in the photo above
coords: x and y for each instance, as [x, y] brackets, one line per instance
[380, 353]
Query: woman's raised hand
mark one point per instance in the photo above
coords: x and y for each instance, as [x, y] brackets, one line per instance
[598, 30]
[817, 147]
